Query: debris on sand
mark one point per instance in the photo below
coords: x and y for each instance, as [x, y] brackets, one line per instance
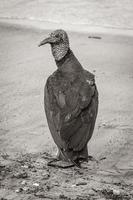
[23, 182]
[113, 194]
[25, 166]
[63, 197]
[40, 194]
[116, 192]
[18, 190]
[36, 184]
[94, 37]
[3, 199]
[39, 181]
[81, 183]
[21, 174]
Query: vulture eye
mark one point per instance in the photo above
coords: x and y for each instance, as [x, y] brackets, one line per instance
[57, 36]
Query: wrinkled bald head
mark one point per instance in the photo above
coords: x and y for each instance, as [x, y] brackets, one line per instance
[59, 42]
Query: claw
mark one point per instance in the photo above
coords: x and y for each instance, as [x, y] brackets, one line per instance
[76, 163]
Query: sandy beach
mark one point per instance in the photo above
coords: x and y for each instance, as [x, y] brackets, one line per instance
[24, 69]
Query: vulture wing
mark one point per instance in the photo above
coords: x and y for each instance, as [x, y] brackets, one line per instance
[71, 104]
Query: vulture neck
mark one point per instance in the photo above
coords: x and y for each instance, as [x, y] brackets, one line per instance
[69, 63]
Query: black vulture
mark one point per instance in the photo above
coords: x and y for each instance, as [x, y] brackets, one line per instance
[71, 101]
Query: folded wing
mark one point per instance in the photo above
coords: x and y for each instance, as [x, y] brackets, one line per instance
[71, 110]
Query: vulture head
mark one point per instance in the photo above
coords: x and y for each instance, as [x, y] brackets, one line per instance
[59, 42]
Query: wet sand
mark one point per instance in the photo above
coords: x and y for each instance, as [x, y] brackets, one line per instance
[24, 69]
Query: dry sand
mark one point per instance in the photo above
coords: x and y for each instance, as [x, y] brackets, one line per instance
[23, 128]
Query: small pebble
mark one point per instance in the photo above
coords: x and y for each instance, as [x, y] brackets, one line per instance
[25, 188]
[73, 185]
[36, 184]
[116, 192]
[18, 190]
[23, 182]
[45, 176]
[25, 166]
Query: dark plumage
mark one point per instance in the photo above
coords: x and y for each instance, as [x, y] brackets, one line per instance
[71, 101]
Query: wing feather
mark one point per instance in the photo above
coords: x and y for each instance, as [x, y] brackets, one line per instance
[53, 118]
[71, 115]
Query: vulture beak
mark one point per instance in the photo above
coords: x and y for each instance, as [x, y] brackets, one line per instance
[48, 40]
